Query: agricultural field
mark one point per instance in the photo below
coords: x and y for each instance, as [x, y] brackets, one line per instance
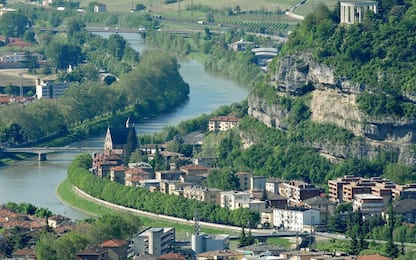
[159, 6]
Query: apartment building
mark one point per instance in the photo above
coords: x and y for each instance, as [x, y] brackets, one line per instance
[154, 241]
[368, 204]
[335, 187]
[234, 199]
[201, 193]
[244, 180]
[50, 88]
[295, 218]
[298, 191]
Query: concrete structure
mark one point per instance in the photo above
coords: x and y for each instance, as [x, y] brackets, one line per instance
[295, 219]
[234, 199]
[221, 254]
[354, 11]
[117, 248]
[368, 204]
[256, 205]
[407, 191]
[117, 174]
[264, 55]
[50, 88]
[406, 209]
[222, 123]
[298, 191]
[154, 241]
[203, 243]
[208, 162]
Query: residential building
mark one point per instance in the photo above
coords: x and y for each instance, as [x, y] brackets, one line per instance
[13, 57]
[350, 190]
[368, 204]
[272, 185]
[93, 253]
[407, 191]
[266, 218]
[244, 180]
[257, 183]
[171, 256]
[170, 175]
[117, 173]
[201, 193]
[222, 123]
[255, 205]
[154, 241]
[276, 200]
[50, 88]
[298, 191]
[24, 254]
[221, 255]
[207, 161]
[324, 205]
[204, 243]
[406, 209]
[193, 170]
[234, 199]
[384, 190]
[355, 11]
[117, 248]
[335, 187]
[58, 221]
[295, 218]
[100, 8]
[241, 45]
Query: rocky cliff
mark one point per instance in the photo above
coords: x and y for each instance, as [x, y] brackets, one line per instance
[333, 101]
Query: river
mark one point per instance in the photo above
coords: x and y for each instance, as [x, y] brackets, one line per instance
[35, 182]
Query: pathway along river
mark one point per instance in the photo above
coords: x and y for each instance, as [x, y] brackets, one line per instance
[35, 182]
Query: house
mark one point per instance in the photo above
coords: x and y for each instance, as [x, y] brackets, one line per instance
[324, 205]
[117, 249]
[154, 241]
[58, 221]
[204, 243]
[222, 123]
[50, 88]
[93, 253]
[100, 8]
[355, 11]
[207, 161]
[295, 218]
[117, 173]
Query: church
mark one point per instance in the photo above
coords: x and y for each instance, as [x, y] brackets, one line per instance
[121, 141]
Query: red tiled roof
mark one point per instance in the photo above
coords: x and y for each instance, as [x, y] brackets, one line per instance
[171, 256]
[225, 118]
[114, 243]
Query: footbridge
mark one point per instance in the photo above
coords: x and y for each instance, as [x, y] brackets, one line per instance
[42, 151]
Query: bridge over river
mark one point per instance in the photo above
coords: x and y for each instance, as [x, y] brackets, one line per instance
[42, 151]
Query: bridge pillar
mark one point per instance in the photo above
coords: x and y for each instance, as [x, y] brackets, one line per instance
[41, 156]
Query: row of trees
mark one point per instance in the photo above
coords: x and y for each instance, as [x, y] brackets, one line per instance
[156, 202]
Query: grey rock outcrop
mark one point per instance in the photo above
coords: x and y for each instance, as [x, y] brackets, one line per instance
[333, 100]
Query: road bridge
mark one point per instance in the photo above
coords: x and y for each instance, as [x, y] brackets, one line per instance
[42, 151]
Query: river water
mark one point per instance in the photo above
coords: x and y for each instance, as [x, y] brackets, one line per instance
[35, 182]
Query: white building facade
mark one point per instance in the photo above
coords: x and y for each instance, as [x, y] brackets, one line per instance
[295, 219]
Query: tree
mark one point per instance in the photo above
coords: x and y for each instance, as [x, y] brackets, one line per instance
[73, 26]
[115, 46]
[31, 61]
[13, 24]
[390, 248]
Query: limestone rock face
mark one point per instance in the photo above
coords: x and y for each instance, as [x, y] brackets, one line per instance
[334, 101]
